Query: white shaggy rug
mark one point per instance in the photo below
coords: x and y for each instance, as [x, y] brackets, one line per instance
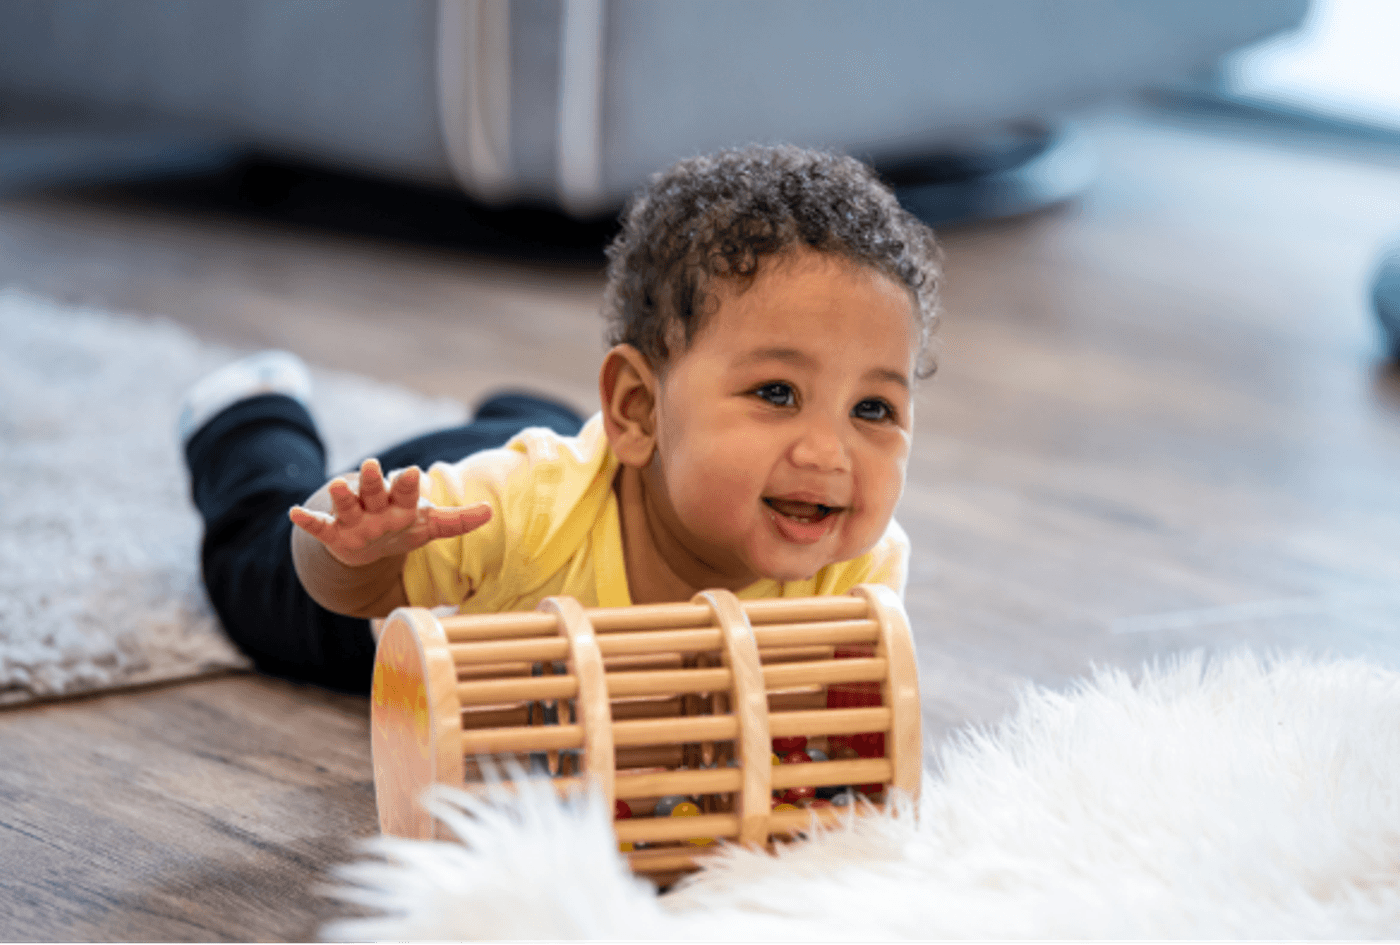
[99, 542]
[1235, 798]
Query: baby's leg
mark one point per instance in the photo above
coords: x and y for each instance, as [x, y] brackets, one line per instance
[498, 419]
[255, 460]
[248, 465]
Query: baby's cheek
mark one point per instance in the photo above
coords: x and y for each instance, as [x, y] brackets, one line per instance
[717, 502]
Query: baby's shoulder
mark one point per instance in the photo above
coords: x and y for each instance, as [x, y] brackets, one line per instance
[534, 455]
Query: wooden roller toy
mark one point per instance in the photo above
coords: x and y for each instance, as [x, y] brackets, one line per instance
[718, 719]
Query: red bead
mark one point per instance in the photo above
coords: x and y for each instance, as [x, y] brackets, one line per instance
[621, 810]
[796, 757]
[789, 744]
[869, 744]
[796, 795]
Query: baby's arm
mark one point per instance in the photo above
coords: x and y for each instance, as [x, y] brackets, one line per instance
[350, 542]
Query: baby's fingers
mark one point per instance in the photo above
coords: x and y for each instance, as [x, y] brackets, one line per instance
[348, 510]
[318, 525]
[404, 492]
[449, 523]
[373, 496]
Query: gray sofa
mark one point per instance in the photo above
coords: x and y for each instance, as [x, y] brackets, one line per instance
[572, 102]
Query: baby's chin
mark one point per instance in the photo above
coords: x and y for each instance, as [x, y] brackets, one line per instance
[784, 573]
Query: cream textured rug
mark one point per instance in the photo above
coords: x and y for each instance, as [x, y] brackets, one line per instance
[1231, 799]
[99, 543]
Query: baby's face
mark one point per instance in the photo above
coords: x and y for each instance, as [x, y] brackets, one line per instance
[783, 431]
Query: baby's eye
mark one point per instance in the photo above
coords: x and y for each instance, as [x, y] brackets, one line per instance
[875, 410]
[778, 394]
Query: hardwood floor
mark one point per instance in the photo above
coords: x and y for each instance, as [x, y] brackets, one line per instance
[1162, 421]
[202, 812]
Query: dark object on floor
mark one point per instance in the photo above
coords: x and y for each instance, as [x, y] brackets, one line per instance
[1385, 294]
[1020, 168]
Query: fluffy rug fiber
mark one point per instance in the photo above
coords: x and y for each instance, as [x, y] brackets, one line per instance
[99, 573]
[1236, 798]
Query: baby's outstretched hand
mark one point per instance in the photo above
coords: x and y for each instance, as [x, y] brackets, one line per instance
[383, 520]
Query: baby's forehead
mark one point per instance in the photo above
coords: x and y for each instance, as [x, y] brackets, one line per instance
[804, 310]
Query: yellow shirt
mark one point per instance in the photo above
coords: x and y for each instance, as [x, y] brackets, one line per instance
[555, 530]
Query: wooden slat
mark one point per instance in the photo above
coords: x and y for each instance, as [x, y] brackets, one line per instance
[662, 829]
[521, 738]
[562, 786]
[685, 781]
[466, 671]
[462, 628]
[803, 610]
[824, 773]
[676, 731]
[829, 721]
[494, 691]
[533, 650]
[650, 617]
[824, 672]
[792, 821]
[665, 859]
[673, 731]
[670, 682]
[786, 640]
[830, 633]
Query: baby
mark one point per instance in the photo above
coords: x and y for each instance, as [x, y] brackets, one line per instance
[771, 310]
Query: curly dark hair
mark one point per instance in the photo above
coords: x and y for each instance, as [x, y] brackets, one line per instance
[718, 215]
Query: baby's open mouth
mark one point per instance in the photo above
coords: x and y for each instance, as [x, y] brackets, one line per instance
[807, 512]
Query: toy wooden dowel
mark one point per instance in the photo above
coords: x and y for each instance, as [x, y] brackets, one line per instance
[749, 699]
[592, 708]
[900, 691]
[712, 720]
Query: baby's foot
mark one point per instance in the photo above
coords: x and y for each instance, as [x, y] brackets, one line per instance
[267, 372]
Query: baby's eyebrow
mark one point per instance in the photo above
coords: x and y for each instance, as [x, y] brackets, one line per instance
[801, 358]
[885, 374]
[789, 355]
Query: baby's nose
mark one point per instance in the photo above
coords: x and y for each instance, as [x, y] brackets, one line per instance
[821, 447]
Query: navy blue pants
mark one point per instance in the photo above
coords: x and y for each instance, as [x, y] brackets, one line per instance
[257, 459]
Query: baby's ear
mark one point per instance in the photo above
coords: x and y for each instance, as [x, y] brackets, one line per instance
[627, 388]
